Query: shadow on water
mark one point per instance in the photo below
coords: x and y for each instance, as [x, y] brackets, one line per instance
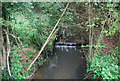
[66, 63]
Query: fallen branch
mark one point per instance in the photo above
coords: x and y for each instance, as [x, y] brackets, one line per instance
[42, 48]
[8, 50]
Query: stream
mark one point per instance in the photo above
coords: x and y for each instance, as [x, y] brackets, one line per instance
[68, 62]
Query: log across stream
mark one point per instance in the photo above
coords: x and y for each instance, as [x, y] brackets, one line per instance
[68, 62]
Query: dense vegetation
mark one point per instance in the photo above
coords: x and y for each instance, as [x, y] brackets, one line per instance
[26, 26]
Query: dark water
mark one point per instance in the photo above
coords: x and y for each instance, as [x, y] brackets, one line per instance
[67, 63]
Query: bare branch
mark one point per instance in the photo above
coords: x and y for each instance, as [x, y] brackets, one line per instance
[15, 40]
[8, 50]
[19, 45]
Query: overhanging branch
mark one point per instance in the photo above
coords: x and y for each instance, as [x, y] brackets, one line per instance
[42, 48]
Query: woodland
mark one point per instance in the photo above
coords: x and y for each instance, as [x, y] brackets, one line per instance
[27, 26]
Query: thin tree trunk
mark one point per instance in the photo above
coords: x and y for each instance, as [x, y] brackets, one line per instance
[1, 45]
[90, 30]
[2, 50]
[8, 50]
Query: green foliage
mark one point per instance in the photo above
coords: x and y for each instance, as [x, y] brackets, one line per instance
[16, 69]
[92, 25]
[33, 22]
[32, 27]
[115, 25]
[105, 66]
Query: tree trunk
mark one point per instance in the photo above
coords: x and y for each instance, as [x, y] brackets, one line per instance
[1, 44]
[90, 20]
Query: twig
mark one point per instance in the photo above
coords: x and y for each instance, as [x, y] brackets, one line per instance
[87, 76]
[15, 40]
[8, 51]
[19, 45]
[20, 42]
[42, 48]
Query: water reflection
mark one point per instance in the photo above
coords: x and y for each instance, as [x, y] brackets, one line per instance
[66, 63]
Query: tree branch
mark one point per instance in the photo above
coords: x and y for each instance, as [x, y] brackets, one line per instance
[8, 50]
[19, 45]
[42, 48]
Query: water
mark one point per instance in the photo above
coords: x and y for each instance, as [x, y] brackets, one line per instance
[67, 63]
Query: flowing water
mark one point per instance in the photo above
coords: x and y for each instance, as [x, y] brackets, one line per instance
[68, 62]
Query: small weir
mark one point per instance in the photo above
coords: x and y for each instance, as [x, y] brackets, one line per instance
[65, 45]
[66, 63]
[67, 60]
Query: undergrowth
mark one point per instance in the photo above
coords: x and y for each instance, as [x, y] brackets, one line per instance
[105, 66]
